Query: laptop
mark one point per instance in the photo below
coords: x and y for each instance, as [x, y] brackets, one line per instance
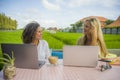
[84, 56]
[26, 55]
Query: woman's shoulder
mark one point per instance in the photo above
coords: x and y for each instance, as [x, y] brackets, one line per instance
[43, 41]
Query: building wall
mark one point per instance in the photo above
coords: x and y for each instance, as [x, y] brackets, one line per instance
[111, 30]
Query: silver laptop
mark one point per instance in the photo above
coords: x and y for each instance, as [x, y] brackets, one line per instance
[85, 56]
[26, 55]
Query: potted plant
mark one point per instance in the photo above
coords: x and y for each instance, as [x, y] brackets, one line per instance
[9, 70]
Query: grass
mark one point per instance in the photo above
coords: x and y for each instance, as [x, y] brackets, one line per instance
[67, 38]
[10, 36]
[112, 41]
[53, 42]
[58, 40]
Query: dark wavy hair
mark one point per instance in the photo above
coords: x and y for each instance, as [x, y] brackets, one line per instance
[29, 32]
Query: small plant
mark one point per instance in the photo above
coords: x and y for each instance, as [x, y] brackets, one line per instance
[8, 60]
[9, 69]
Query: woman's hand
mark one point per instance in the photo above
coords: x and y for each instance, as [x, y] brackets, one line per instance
[93, 34]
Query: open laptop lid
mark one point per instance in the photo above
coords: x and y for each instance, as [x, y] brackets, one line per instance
[80, 55]
[26, 55]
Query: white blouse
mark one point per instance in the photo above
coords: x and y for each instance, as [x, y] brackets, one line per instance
[43, 50]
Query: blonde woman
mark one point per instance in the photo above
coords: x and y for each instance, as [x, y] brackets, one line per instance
[93, 36]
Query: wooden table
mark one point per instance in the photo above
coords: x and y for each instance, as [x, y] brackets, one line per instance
[60, 72]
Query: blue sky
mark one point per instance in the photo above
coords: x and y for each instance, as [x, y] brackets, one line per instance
[58, 13]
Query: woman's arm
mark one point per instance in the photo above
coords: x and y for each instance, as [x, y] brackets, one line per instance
[47, 50]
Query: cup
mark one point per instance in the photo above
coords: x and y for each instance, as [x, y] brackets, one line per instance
[53, 60]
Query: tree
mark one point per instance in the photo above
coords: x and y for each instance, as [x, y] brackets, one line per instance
[79, 24]
[7, 23]
[109, 22]
[73, 28]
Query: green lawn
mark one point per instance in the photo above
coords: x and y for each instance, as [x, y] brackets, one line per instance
[58, 40]
[112, 40]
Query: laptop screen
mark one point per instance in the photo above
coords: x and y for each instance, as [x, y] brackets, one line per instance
[80, 55]
[26, 55]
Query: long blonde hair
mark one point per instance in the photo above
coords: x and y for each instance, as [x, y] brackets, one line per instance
[94, 22]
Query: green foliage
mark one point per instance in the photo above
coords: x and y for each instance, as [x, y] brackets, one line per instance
[73, 28]
[76, 26]
[109, 22]
[53, 42]
[67, 38]
[6, 23]
[112, 41]
[79, 24]
[1, 65]
[8, 60]
[13, 36]
[57, 40]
